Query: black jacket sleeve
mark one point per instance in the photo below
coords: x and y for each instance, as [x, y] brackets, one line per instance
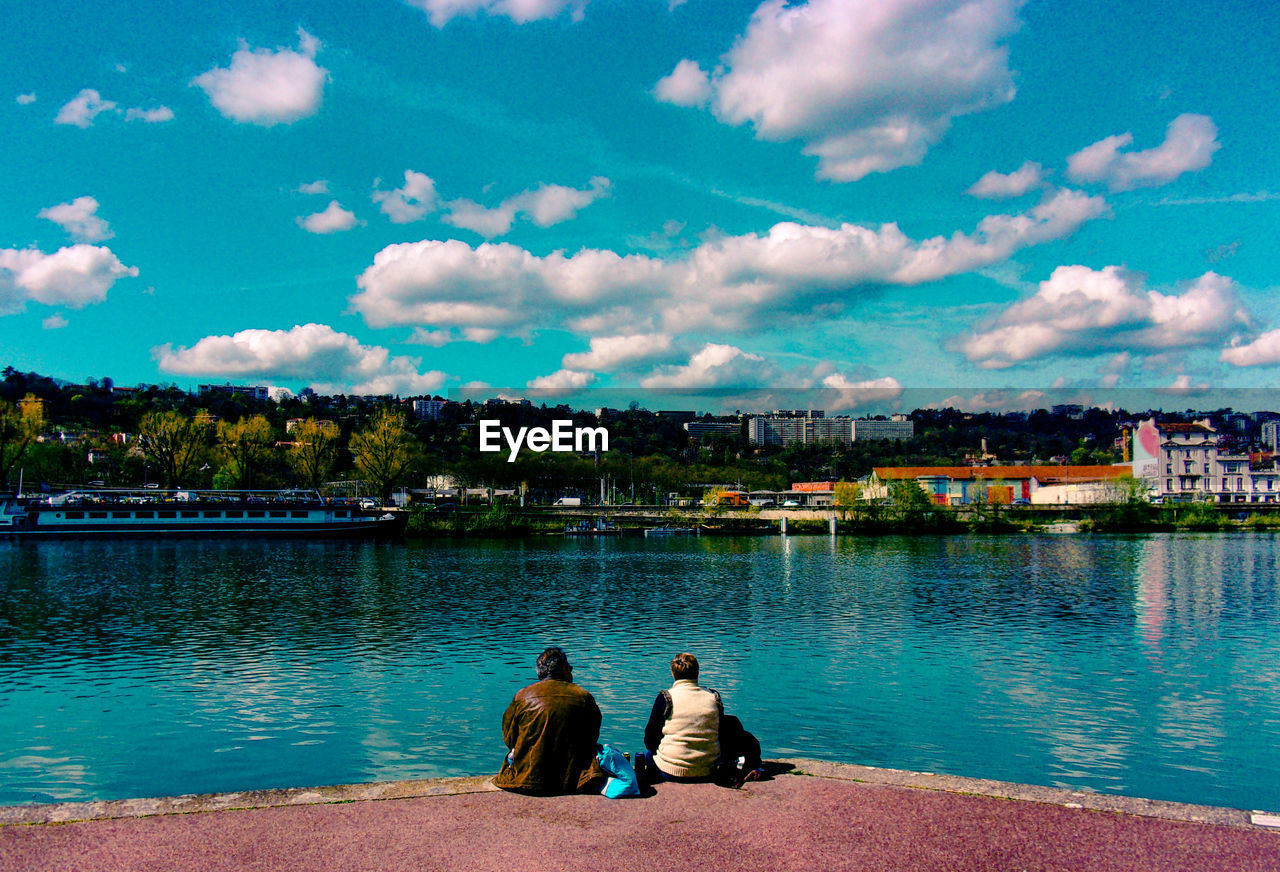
[653, 729]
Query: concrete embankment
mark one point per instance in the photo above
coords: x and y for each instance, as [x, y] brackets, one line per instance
[809, 815]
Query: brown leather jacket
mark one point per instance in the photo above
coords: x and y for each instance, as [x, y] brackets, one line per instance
[552, 727]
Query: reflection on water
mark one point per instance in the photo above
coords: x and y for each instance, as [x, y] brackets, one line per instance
[1142, 665]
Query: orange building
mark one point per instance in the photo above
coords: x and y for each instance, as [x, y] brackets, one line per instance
[962, 485]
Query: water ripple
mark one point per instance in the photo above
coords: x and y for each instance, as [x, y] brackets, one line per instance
[1129, 664]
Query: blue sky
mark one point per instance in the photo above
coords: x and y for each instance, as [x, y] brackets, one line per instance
[858, 197]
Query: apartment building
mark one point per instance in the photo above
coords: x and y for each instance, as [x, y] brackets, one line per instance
[1195, 463]
[897, 427]
[791, 429]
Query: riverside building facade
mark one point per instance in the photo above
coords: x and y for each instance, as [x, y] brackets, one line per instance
[1195, 462]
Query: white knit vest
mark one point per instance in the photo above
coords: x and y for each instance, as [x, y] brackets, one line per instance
[690, 742]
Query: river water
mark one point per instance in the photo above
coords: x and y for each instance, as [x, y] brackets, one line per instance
[1146, 665]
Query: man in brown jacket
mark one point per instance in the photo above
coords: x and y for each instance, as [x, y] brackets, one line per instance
[551, 729]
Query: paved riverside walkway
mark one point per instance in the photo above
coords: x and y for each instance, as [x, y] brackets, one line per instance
[811, 815]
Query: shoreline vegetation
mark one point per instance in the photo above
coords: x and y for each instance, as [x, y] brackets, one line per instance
[58, 437]
[508, 521]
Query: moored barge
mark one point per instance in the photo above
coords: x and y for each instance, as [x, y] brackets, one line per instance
[128, 514]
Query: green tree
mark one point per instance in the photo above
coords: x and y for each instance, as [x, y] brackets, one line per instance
[247, 445]
[383, 452]
[848, 496]
[1127, 490]
[1127, 506]
[315, 448]
[174, 444]
[19, 427]
[909, 502]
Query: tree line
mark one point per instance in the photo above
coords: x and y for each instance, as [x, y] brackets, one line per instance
[165, 435]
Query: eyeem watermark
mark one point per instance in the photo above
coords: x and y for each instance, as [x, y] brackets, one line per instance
[562, 436]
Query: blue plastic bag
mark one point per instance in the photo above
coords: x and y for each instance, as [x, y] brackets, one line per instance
[622, 777]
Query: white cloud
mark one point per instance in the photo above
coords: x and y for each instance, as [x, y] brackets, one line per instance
[1183, 385]
[845, 393]
[409, 203]
[75, 276]
[1247, 197]
[1189, 145]
[401, 377]
[733, 281]
[715, 366]
[25, 99]
[520, 11]
[314, 353]
[83, 108]
[1262, 351]
[1114, 369]
[728, 283]
[562, 380]
[319, 186]
[334, 219]
[157, 115]
[267, 87]
[1082, 311]
[488, 222]
[440, 338]
[868, 85]
[54, 322]
[551, 204]
[609, 353]
[448, 284]
[998, 400]
[545, 205]
[432, 338]
[687, 85]
[996, 185]
[79, 219]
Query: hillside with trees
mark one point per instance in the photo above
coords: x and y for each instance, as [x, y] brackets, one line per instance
[65, 435]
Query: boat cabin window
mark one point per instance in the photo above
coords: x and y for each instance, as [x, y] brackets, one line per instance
[145, 515]
[75, 516]
[189, 514]
[297, 514]
[257, 514]
[166, 514]
[122, 514]
[97, 514]
[277, 514]
[234, 513]
[340, 513]
[213, 514]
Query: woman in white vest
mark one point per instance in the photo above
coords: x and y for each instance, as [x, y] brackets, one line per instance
[683, 733]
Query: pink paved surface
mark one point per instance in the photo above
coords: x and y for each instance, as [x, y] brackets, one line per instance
[791, 822]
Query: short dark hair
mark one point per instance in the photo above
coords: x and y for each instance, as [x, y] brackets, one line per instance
[553, 663]
[684, 666]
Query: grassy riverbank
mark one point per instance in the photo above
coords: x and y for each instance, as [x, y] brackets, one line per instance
[503, 521]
